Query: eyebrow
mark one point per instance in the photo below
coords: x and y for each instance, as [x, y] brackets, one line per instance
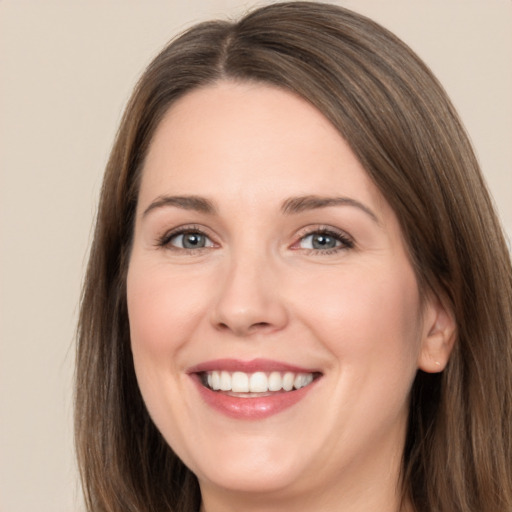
[301, 204]
[199, 204]
[290, 206]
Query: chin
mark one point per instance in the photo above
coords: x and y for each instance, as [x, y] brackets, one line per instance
[256, 482]
[255, 469]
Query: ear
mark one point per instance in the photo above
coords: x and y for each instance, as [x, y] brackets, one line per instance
[438, 337]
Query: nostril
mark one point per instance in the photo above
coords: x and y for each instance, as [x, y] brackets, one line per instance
[259, 325]
[240, 330]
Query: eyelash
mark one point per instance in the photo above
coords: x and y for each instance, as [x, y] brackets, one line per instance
[345, 241]
[165, 240]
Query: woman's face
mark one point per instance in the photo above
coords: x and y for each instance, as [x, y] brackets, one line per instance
[264, 258]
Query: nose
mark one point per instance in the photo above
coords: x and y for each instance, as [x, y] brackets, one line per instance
[249, 299]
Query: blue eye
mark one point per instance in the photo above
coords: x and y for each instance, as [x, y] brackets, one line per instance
[319, 241]
[189, 240]
[325, 241]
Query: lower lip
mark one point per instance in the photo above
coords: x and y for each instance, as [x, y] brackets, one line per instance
[250, 408]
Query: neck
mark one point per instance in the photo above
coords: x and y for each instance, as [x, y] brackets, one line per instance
[264, 503]
[310, 503]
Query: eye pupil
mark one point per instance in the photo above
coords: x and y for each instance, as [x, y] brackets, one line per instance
[193, 240]
[322, 241]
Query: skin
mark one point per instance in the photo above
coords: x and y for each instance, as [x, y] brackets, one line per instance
[259, 289]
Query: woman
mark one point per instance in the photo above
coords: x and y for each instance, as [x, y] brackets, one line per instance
[298, 295]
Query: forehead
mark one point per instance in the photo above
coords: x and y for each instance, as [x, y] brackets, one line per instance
[247, 140]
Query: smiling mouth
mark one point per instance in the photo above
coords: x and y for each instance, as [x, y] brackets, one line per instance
[257, 384]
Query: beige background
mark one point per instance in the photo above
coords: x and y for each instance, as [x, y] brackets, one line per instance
[66, 70]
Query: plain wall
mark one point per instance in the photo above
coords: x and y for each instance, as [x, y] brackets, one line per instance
[66, 71]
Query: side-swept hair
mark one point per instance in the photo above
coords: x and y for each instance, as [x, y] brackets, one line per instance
[400, 124]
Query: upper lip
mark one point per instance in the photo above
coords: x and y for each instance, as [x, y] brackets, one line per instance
[252, 366]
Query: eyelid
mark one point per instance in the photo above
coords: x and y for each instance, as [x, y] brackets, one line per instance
[346, 240]
[165, 239]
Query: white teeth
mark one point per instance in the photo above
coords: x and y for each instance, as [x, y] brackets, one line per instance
[275, 381]
[239, 382]
[215, 380]
[258, 382]
[288, 381]
[299, 381]
[225, 381]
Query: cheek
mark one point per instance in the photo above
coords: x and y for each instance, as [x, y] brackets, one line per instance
[370, 323]
[163, 308]
[367, 315]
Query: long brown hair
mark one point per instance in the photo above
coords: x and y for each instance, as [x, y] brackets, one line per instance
[400, 124]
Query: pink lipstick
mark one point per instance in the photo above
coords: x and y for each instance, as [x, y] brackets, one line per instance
[252, 390]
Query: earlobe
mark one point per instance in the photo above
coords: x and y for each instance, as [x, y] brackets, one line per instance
[439, 334]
